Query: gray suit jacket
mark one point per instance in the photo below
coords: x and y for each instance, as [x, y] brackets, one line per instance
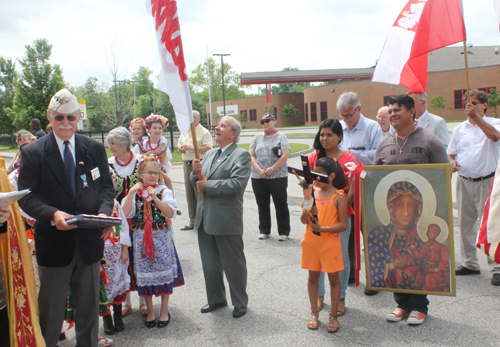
[436, 125]
[222, 210]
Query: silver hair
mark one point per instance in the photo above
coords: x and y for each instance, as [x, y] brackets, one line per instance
[122, 136]
[421, 96]
[235, 126]
[198, 113]
[347, 99]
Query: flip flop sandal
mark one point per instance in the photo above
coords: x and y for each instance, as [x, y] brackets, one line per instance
[333, 324]
[341, 308]
[126, 309]
[313, 322]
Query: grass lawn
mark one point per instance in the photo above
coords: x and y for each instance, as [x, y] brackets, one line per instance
[301, 135]
[9, 149]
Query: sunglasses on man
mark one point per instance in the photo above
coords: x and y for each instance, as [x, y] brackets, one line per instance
[265, 121]
[69, 117]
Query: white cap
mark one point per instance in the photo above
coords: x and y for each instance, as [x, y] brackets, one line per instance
[65, 102]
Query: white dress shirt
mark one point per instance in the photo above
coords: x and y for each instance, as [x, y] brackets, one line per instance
[476, 154]
[367, 134]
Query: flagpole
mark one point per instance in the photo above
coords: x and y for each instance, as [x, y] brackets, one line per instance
[196, 154]
[466, 71]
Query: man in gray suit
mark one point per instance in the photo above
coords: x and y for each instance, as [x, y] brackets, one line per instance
[219, 217]
[429, 121]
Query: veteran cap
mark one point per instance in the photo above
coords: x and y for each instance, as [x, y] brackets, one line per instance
[65, 102]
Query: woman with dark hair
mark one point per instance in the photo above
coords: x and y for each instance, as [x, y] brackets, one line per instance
[326, 144]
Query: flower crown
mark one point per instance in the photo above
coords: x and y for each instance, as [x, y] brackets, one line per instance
[149, 158]
[136, 120]
[156, 118]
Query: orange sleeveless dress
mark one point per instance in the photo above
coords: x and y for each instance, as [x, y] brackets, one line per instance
[323, 252]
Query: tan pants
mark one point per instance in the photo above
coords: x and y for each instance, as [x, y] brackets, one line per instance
[471, 199]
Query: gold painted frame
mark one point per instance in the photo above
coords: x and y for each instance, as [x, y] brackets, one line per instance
[399, 202]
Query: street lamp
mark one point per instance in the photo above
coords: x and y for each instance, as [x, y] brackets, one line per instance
[222, 71]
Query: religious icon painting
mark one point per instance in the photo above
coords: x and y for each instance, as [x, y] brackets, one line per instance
[408, 229]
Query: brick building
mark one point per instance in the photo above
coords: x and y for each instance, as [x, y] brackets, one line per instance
[446, 78]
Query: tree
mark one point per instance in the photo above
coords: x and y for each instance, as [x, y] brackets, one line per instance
[286, 88]
[438, 102]
[98, 102]
[290, 111]
[38, 82]
[8, 80]
[200, 81]
[494, 99]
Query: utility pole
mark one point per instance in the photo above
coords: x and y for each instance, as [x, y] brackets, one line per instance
[222, 67]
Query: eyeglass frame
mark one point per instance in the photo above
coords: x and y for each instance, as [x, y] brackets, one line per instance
[342, 116]
[265, 121]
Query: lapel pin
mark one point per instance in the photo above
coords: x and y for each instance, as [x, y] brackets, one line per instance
[81, 163]
[84, 179]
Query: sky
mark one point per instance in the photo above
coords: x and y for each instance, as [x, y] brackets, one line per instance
[259, 35]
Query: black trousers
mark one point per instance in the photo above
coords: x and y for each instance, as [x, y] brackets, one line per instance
[4, 327]
[263, 190]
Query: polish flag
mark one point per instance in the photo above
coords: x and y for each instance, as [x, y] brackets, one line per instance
[496, 4]
[173, 75]
[488, 239]
[421, 27]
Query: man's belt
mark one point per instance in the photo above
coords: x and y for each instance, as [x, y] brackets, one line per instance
[188, 162]
[479, 178]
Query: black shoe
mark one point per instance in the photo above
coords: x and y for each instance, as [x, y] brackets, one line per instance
[163, 323]
[62, 337]
[151, 324]
[352, 280]
[210, 307]
[117, 317]
[107, 322]
[370, 292]
[463, 271]
[188, 227]
[239, 312]
[495, 280]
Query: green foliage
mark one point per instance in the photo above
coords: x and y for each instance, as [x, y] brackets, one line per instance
[8, 80]
[243, 117]
[290, 111]
[287, 88]
[438, 102]
[494, 99]
[38, 82]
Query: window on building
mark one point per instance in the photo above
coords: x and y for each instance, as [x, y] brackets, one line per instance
[323, 110]
[307, 113]
[459, 98]
[314, 116]
[386, 99]
[253, 115]
[487, 90]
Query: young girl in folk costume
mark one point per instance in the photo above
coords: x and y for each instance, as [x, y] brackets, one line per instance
[116, 267]
[321, 241]
[326, 144]
[157, 268]
[138, 130]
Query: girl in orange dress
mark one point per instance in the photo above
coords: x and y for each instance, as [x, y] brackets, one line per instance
[321, 249]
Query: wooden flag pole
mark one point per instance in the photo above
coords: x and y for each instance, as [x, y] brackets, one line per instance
[196, 154]
[466, 71]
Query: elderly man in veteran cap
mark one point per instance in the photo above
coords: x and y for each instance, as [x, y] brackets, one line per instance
[68, 175]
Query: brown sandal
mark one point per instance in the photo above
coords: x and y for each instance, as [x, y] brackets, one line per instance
[333, 324]
[341, 308]
[313, 322]
[321, 299]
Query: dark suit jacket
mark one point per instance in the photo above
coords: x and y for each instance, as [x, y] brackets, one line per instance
[222, 210]
[42, 170]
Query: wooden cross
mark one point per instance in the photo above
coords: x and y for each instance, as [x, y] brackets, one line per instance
[309, 178]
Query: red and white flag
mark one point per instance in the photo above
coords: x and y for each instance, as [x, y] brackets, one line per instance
[173, 75]
[496, 4]
[488, 239]
[421, 27]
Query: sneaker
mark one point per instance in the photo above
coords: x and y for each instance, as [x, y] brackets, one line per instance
[416, 318]
[263, 236]
[283, 238]
[104, 342]
[397, 315]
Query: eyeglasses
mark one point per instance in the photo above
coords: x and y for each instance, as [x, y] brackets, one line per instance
[152, 173]
[475, 102]
[349, 116]
[70, 117]
[265, 121]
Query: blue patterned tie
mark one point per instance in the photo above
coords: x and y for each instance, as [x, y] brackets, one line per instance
[69, 163]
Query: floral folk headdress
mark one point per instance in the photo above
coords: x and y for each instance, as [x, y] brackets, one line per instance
[156, 118]
[136, 120]
[149, 158]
